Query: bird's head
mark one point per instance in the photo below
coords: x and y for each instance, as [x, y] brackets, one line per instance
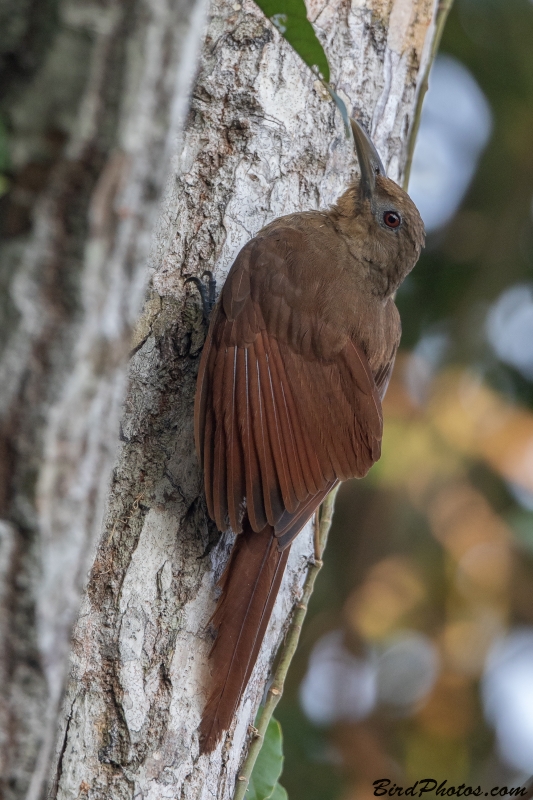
[380, 219]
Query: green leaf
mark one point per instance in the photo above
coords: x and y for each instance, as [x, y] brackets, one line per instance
[263, 781]
[279, 793]
[522, 524]
[290, 18]
[5, 185]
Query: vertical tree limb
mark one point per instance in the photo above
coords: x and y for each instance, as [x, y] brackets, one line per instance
[77, 286]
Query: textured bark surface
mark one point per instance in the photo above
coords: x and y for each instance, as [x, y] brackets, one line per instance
[261, 141]
[96, 97]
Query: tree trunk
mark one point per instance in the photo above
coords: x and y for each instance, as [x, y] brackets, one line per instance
[98, 96]
[261, 140]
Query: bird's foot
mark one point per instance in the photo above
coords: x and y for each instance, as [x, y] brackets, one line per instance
[207, 293]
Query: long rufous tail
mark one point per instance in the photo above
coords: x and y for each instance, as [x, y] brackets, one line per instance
[249, 586]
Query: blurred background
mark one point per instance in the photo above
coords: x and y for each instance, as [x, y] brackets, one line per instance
[416, 659]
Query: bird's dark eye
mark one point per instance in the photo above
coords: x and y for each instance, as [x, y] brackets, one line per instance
[392, 219]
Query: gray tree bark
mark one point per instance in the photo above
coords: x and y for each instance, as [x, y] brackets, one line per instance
[261, 140]
[100, 114]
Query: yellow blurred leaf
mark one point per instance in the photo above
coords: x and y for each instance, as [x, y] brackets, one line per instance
[391, 589]
[465, 642]
[477, 421]
[461, 518]
[412, 455]
[437, 758]
[449, 710]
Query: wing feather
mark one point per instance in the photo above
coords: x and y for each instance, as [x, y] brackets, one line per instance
[235, 459]
[273, 413]
[307, 457]
[283, 396]
[254, 484]
[273, 501]
[219, 481]
[286, 404]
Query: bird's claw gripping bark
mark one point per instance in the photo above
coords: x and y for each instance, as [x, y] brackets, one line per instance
[207, 293]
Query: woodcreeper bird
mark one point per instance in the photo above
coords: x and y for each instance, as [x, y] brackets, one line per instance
[298, 356]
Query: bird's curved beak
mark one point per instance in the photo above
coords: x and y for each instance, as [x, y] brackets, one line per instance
[369, 160]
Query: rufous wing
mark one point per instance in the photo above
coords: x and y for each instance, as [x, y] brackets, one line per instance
[284, 407]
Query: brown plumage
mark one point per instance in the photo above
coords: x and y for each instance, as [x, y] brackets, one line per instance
[298, 357]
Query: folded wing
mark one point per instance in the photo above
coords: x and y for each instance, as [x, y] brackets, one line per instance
[286, 404]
